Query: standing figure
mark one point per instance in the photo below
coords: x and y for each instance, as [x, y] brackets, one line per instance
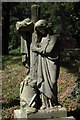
[28, 93]
[47, 48]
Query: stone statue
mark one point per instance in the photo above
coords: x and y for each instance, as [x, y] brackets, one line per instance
[27, 91]
[47, 47]
[25, 28]
[40, 56]
[39, 92]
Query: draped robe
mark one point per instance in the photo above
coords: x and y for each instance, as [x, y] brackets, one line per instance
[48, 66]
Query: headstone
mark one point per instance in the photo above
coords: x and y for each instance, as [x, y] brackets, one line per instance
[28, 90]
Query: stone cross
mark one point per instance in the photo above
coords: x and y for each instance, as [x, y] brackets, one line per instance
[28, 39]
[35, 13]
[28, 93]
[29, 58]
[35, 16]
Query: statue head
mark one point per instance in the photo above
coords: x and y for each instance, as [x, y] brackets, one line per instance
[25, 25]
[41, 27]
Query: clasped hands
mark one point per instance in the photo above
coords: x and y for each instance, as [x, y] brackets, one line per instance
[35, 48]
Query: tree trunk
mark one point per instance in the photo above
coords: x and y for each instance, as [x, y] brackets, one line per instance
[5, 27]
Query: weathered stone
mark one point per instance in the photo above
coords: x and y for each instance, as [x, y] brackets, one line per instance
[33, 58]
[25, 25]
[27, 92]
[50, 113]
[26, 95]
[46, 114]
[55, 114]
[40, 85]
[35, 13]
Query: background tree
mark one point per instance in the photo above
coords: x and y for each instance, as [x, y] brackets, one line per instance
[18, 12]
[73, 20]
[5, 27]
[49, 11]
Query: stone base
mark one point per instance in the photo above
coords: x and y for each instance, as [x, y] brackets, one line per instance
[53, 114]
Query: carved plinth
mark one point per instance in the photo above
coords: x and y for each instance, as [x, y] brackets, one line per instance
[44, 114]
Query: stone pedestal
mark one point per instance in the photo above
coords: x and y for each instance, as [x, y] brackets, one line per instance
[53, 114]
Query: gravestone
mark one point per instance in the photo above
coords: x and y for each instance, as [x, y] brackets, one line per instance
[28, 95]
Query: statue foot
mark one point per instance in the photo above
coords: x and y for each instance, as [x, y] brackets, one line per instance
[30, 110]
[43, 107]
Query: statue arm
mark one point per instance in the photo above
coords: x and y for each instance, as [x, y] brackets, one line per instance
[46, 48]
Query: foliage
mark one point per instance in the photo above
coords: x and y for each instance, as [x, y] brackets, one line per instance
[50, 12]
[73, 21]
[15, 51]
[18, 12]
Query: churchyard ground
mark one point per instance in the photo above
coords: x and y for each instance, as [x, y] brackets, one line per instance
[13, 72]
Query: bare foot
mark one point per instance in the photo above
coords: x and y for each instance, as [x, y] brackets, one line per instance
[30, 110]
[43, 107]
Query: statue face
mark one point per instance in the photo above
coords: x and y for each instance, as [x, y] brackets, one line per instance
[42, 30]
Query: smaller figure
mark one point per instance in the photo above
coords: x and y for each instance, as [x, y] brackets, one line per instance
[27, 88]
[25, 28]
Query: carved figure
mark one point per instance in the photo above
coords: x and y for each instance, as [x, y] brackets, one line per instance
[39, 89]
[48, 63]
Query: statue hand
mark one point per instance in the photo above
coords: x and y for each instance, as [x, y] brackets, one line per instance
[34, 49]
